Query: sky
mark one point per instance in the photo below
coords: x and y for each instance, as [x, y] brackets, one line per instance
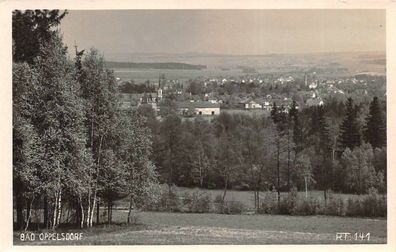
[240, 32]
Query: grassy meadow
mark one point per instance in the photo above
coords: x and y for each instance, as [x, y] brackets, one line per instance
[158, 228]
[245, 197]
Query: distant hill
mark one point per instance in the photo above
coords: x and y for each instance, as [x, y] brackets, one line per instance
[155, 65]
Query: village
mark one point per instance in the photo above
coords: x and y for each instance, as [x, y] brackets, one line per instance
[256, 93]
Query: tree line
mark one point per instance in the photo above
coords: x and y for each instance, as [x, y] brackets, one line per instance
[338, 146]
[72, 146]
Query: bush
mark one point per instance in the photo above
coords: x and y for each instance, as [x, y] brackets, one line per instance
[353, 207]
[308, 206]
[334, 206]
[218, 204]
[292, 201]
[374, 205]
[197, 202]
[168, 200]
[371, 205]
[234, 207]
[289, 204]
[269, 203]
[228, 207]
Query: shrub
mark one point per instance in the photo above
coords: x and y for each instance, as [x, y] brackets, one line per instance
[169, 200]
[234, 207]
[289, 204]
[218, 204]
[335, 206]
[370, 205]
[283, 207]
[353, 207]
[292, 201]
[308, 206]
[269, 203]
[152, 202]
[197, 202]
[373, 204]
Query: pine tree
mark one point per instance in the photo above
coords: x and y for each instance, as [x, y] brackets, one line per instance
[297, 127]
[30, 29]
[323, 152]
[375, 128]
[349, 129]
[323, 133]
[274, 113]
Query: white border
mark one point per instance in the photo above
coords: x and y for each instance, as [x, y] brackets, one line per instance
[6, 8]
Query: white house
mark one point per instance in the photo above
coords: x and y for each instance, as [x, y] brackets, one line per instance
[253, 105]
[198, 108]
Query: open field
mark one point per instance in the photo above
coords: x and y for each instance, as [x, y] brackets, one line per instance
[157, 228]
[142, 75]
[245, 197]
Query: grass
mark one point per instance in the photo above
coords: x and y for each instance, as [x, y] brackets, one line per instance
[245, 197]
[157, 228]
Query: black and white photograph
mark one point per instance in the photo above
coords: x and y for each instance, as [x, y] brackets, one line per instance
[199, 126]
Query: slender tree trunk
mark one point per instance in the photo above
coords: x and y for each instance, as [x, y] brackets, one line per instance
[97, 212]
[278, 171]
[55, 212]
[200, 170]
[258, 199]
[82, 216]
[96, 184]
[78, 212]
[59, 208]
[288, 159]
[91, 214]
[19, 209]
[225, 187]
[130, 209]
[89, 207]
[108, 212]
[306, 186]
[224, 193]
[111, 212]
[45, 211]
[170, 176]
[29, 213]
[81, 210]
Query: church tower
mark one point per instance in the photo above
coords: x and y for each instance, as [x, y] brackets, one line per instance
[159, 90]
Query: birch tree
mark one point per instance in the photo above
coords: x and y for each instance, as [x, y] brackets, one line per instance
[59, 123]
[98, 88]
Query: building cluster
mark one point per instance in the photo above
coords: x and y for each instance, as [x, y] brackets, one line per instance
[313, 92]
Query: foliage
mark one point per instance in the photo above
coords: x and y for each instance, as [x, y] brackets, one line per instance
[349, 129]
[334, 205]
[375, 128]
[360, 171]
[269, 203]
[196, 202]
[370, 205]
[31, 29]
[233, 207]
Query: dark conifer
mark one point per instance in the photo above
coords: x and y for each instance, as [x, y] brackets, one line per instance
[375, 128]
[349, 129]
